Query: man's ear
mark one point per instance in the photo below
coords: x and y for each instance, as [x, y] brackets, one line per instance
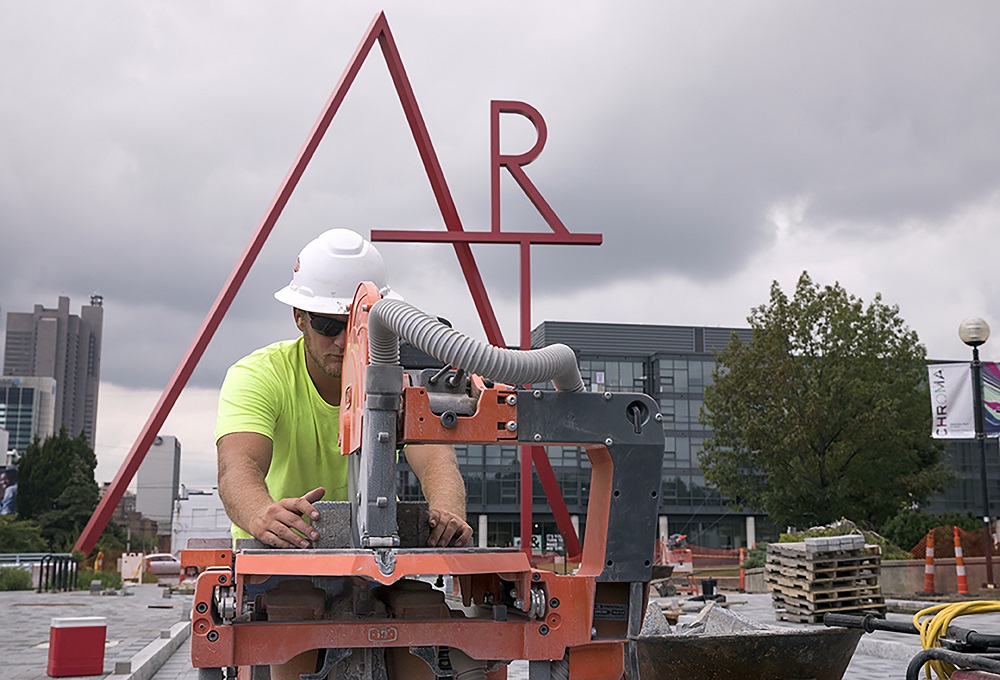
[300, 319]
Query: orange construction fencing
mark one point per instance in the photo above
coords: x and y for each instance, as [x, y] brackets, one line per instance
[714, 557]
[944, 543]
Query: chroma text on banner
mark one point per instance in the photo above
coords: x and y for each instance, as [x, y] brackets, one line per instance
[952, 414]
[952, 411]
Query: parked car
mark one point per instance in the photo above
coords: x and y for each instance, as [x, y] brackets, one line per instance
[163, 564]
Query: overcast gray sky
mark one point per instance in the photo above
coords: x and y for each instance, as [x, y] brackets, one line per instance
[717, 146]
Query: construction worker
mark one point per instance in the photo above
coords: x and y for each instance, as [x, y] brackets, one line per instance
[277, 426]
[278, 420]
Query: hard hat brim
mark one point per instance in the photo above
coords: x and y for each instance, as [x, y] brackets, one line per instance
[322, 305]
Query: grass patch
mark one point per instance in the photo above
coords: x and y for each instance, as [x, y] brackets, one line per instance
[15, 578]
[108, 579]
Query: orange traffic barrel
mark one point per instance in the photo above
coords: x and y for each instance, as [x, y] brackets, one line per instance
[963, 582]
[929, 563]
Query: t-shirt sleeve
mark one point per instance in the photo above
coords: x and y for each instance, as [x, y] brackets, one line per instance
[247, 401]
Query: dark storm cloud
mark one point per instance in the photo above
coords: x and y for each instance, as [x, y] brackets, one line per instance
[874, 113]
[140, 144]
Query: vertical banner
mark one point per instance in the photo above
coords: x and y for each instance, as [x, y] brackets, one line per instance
[951, 401]
[991, 398]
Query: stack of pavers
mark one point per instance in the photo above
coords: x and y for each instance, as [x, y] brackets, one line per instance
[820, 575]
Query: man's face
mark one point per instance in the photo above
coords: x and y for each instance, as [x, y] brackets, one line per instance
[325, 351]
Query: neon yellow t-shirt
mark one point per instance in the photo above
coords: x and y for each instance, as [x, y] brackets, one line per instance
[269, 392]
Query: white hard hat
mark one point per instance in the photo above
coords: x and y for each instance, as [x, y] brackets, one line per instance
[328, 270]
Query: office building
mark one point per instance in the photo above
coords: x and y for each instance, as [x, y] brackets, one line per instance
[966, 495]
[27, 410]
[158, 484]
[198, 514]
[52, 343]
[139, 530]
[672, 364]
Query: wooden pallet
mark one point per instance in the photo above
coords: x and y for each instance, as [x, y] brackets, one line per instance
[809, 616]
[806, 585]
[855, 601]
[823, 596]
[801, 573]
[779, 579]
[867, 556]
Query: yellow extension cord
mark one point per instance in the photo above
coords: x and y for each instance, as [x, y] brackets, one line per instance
[936, 623]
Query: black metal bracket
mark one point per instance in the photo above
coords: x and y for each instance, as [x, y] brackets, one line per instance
[629, 425]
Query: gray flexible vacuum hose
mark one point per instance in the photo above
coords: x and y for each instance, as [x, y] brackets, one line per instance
[390, 320]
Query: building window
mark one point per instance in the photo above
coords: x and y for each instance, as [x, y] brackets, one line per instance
[409, 486]
[614, 375]
[473, 488]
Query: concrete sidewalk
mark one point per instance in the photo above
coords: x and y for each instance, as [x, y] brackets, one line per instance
[878, 656]
[148, 633]
[144, 628]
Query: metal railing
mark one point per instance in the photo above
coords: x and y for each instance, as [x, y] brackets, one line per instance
[19, 559]
[57, 571]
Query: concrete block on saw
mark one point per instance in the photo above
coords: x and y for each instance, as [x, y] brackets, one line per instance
[333, 525]
[411, 517]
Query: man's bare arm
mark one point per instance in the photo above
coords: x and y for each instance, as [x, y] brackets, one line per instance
[244, 458]
[441, 481]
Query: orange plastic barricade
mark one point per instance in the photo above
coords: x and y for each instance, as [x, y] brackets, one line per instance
[929, 563]
[963, 582]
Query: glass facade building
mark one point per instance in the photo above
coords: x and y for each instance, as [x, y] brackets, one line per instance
[966, 495]
[672, 364]
[53, 343]
[27, 410]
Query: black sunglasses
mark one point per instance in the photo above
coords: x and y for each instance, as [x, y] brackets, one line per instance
[324, 325]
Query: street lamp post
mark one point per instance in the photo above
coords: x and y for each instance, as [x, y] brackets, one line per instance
[974, 332]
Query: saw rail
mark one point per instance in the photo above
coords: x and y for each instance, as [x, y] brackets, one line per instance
[508, 610]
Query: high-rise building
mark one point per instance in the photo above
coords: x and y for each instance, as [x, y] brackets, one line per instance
[27, 410]
[52, 343]
[158, 484]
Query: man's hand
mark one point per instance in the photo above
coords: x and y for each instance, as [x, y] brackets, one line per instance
[276, 524]
[447, 529]
[437, 470]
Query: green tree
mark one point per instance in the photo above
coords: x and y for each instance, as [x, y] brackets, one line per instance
[57, 488]
[51, 466]
[70, 512]
[823, 413]
[21, 535]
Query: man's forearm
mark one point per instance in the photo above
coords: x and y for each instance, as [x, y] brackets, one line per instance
[243, 491]
[440, 478]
